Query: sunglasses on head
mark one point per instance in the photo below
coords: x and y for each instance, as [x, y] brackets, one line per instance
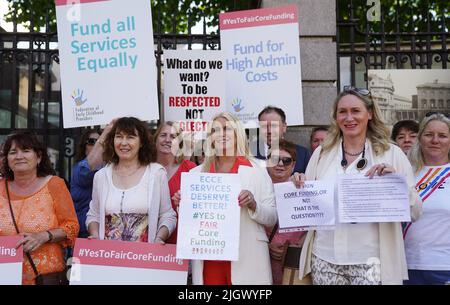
[91, 141]
[437, 112]
[358, 91]
[286, 161]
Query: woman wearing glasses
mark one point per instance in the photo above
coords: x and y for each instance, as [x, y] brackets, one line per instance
[357, 253]
[427, 241]
[280, 166]
[88, 161]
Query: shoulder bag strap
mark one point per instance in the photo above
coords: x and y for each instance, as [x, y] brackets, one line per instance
[274, 231]
[33, 266]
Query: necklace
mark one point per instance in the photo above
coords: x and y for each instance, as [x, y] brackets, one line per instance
[355, 154]
[362, 163]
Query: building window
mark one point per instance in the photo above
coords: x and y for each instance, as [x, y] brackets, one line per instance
[441, 104]
[448, 104]
[432, 103]
[424, 103]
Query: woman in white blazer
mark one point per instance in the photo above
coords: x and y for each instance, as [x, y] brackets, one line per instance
[357, 253]
[227, 152]
[130, 197]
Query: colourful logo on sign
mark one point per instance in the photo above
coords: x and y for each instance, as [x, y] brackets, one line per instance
[236, 104]
[77, 96]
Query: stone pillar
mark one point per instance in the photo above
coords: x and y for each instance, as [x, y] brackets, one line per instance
[317, 27]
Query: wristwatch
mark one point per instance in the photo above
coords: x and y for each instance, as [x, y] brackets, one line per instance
[50, 236]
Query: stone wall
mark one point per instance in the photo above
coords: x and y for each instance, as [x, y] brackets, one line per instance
[317, 27]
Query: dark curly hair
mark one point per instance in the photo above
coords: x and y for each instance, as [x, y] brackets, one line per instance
[129, 125]
[81, 147]
[26, 140]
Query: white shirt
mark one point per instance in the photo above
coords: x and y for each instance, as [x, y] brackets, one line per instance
[427, 241]
[347, 244]
[132, 200]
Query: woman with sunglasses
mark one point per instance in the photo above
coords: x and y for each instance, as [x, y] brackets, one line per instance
[427, 241]
[88, 161]
[280, 166]
[357, 253]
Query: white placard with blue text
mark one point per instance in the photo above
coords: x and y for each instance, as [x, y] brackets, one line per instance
[262, 62]
[209, 217]
[107, 61]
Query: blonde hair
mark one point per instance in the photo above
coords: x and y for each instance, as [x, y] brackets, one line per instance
[415, 155]
[377, 132]
[179, 157]
[240, 138]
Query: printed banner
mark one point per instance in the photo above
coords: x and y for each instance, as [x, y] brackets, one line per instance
[194, 87]
[262, 62]
[209, 217]
[110, 262]
[11, 260]
[380, 199]
[309, 207]
[107, 61]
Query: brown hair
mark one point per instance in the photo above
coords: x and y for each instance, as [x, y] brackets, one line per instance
[26, 140]
[129, 125]
[269, 109]
[409, 125]
[289, 147]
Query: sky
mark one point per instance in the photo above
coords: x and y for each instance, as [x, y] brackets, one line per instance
[406, 80]
[3, 10]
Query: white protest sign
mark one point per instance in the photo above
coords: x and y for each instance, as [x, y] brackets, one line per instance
[380, 199]
[111, 262]
[209, 217]
[262, 62]
[194, 87]
[107, 61]
[11, 260]
[309, 207]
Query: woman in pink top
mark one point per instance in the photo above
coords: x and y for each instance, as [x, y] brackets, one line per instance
[280, 166]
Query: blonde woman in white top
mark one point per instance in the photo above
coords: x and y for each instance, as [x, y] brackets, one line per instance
[427, 241]
[360, 253]
[130, 197]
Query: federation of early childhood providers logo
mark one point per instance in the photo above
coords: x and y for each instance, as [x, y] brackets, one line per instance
[77, 97]
[236, 104]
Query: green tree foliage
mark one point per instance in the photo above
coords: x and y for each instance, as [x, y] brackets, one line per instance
[412, 16]
[175, 15]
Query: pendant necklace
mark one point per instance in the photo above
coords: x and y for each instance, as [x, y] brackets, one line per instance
[362, 163]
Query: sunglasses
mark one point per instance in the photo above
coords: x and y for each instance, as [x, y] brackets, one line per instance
[91, 141]
[357, 91]
[436, 112]
[286, 161]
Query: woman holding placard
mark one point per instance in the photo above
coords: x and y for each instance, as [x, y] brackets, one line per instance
[166, 135]
[130, 197]
[427, 241]
[36, 204]
[227, 152]
[357, 253]
[283, 246]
